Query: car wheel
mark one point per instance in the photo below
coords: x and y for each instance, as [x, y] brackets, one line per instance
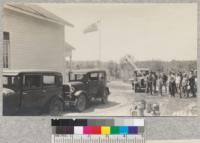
[104, 99]
[81, 103]
[56, 107]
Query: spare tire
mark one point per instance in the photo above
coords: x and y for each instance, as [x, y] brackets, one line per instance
[81, 103]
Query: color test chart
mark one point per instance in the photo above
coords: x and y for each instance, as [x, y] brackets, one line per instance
[98, 130]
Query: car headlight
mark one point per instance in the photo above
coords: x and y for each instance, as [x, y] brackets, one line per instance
[72, 89]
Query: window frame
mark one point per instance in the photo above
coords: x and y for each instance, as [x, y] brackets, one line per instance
[52, 85]
[97, 78]
[6, 49]
[31, 74]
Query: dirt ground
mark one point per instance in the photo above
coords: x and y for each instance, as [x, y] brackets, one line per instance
[122, 99]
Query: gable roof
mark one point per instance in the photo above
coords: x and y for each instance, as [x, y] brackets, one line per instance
[69, 46]
[37, 11]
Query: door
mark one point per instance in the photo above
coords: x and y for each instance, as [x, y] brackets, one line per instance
[32, 92]
[51, 88]
[102, 83]
[11, 94]
[93, 84]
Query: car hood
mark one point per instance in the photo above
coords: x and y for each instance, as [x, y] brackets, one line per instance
[7, 91]
[78, 85]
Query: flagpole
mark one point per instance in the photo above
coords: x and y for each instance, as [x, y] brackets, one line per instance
[100, 44]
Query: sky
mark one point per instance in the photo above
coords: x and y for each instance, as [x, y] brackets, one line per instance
[146, 31]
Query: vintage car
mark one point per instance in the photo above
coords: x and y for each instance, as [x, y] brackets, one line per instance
[138, 81]
[28, 91]
[84, 86]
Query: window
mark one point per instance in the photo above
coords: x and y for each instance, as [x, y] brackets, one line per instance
[94, 76]
[10, 82]
[49, 80]
[6, 46]
[76, 76]
[101, 76]
[32, 81]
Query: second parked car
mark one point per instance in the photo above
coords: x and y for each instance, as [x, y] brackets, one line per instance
[85, 85]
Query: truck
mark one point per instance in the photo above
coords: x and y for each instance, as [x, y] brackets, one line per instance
[139, 80]
[139, 74]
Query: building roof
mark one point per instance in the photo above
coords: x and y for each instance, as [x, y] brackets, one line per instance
[69, 46]
[37, 11]
[15, 72]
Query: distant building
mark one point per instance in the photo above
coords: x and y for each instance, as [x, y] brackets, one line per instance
[34, 38]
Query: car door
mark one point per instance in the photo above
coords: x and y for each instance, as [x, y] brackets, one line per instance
[101, 83]
[32, 92]
[51, 88]
[93, 84]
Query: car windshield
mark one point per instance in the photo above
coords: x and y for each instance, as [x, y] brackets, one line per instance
[10, 82]
[76, 76]
[142, 73]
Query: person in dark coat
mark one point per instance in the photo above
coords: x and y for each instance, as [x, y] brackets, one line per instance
[160, 83]
[165, 78]
[172, 84]
[150, 83]
[192, 84]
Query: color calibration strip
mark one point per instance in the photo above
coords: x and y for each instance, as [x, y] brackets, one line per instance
[98, 126]
[98, 131]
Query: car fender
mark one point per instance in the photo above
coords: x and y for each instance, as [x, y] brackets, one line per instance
[78, 93]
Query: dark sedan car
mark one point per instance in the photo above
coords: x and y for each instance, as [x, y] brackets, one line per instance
[25, 91]
[85, 85]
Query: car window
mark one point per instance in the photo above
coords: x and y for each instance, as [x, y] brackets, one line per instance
[101, 76]
[76, 76]
[59, 80]
[93, 76]
[49, 80]
[10, 82]
[32, 81]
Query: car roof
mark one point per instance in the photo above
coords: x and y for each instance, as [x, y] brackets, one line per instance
[82, 71]
[15, 72]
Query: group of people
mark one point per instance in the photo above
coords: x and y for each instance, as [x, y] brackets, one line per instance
[182, 84]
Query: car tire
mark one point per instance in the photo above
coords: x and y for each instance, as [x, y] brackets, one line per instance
[56, 107]
[104, 99]
[81, 103]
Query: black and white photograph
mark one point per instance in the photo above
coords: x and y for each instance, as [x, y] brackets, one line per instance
[100, 59]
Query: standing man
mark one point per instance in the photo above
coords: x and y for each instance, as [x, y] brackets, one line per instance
[160, 83]
[172, 84]
[179, 79]
[154, 82]
[165, 78]
[184, 85]
[192, 83]
[180, 84]
[150, 83]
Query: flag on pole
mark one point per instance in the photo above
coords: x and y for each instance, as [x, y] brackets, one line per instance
[91, 28]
